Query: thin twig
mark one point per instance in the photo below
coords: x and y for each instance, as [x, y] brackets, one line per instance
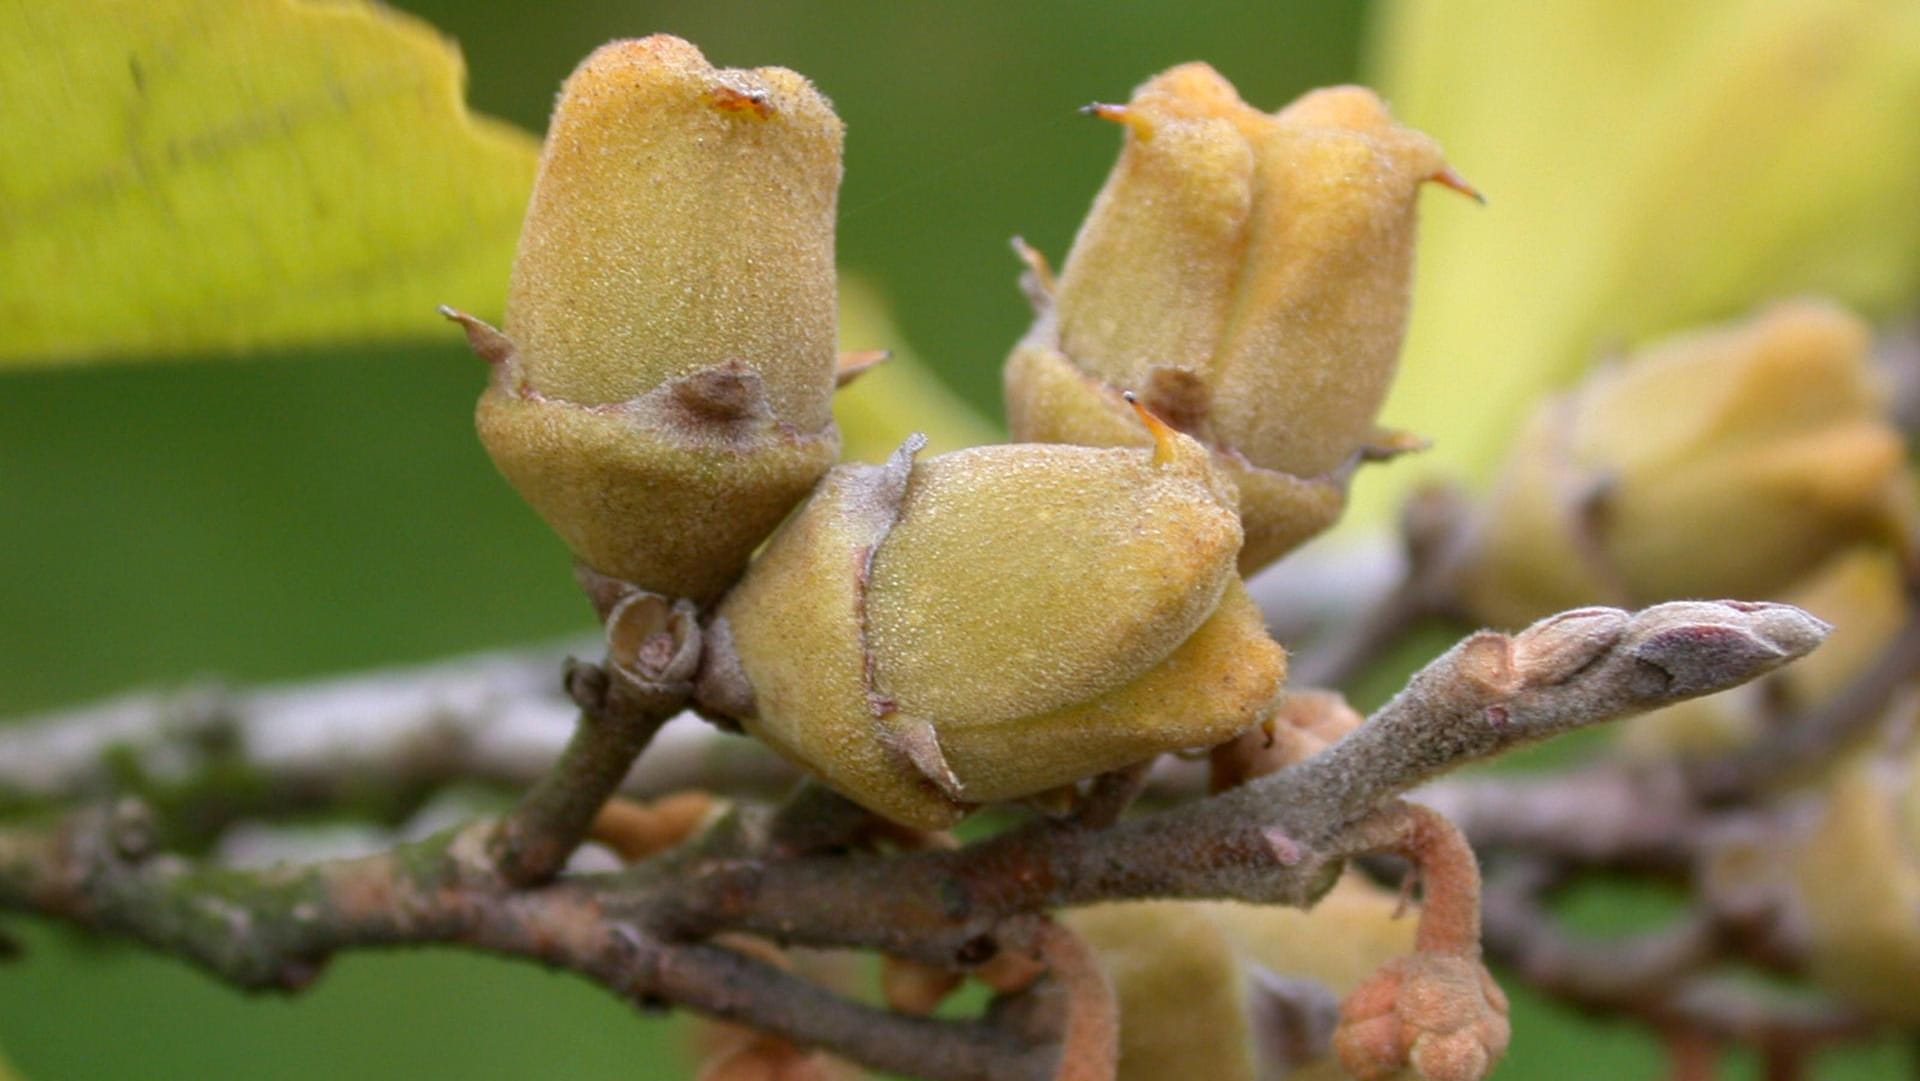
[653, 651]
[1280, 838]
[274, 930]
[1609, 815]
[1665, 978]
[1277, 839]
[1090, 1032]
[1109, 795]
[1616, 974]
[534, 839]
[374, 743]
[1492, 692]
[1738, 1012]
[1449, 873]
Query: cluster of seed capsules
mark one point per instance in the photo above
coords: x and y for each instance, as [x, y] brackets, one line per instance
[990, 624]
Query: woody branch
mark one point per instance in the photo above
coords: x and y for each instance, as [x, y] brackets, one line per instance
[647, 932]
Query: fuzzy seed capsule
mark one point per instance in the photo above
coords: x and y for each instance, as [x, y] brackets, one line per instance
[1727, 463]
[994, 623]
[661, 392]
[1247, 274]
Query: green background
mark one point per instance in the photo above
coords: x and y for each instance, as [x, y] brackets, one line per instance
[329, 510]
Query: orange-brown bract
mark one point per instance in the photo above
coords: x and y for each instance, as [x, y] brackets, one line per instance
[662, 391]
[1247, 274]
[994, 623]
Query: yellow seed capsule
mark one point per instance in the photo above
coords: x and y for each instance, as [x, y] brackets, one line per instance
[1247, 275]
[1233, 992]
[1858, 883]
[1728, 463]
[662, 390]
[994, 623]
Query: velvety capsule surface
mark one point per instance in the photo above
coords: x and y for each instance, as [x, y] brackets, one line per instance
[661, 391]
[994, 623]
[1247, 274]
[682, 218]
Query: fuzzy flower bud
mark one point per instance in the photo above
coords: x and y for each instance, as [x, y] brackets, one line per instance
[1727, 463]
[996, 622]
[1234, 992]
[661, 393]
[1439, 1014]
[1247, 275]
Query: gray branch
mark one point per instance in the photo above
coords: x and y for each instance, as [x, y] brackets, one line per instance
[497, 719]
[1492, 693]
[646, 931]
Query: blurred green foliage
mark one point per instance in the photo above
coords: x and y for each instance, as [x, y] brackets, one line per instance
[329, 510]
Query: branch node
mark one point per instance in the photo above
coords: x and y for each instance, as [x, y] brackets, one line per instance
[132, 831]
[1285, 850]
[585, 684]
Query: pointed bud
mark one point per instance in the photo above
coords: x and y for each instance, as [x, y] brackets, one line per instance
[1247, 275]
[994, 623]
[1859, 593]
[664, 395]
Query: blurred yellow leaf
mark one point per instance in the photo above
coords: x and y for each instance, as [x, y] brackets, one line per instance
[899, 397]
[214, 175]
[1649, 165]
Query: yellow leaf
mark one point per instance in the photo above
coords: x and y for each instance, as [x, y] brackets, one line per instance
[190, 176]
[1649, 166]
